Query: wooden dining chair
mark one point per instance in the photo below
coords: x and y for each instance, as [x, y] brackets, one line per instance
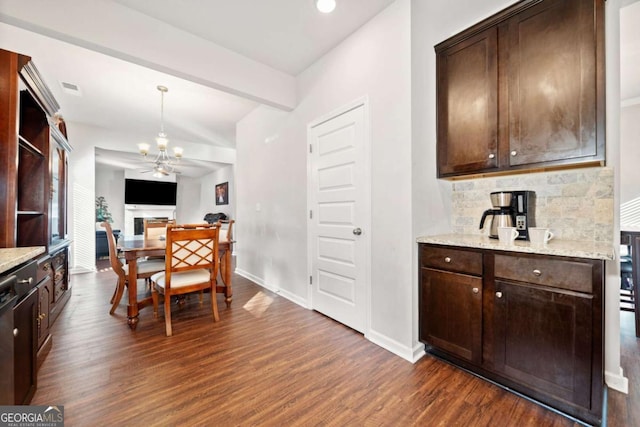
[156, 228]
[191, 265]
[145, 268]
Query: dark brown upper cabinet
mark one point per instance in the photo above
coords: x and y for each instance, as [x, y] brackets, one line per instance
[523, 90]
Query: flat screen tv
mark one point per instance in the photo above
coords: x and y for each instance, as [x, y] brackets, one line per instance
[141, 192]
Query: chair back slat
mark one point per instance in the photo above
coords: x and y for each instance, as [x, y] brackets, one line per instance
[191, 247]
[154, 228]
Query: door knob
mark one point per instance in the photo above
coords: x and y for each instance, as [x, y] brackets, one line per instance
[357, 231]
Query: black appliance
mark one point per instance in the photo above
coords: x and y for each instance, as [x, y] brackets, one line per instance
[510, 209]
[8, 298]
[523, 207]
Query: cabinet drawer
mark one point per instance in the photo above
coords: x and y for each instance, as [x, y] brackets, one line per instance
[58, 259]
[59, 276]
[44, 268]
[557, 273]
[451, 259]
[58, 291]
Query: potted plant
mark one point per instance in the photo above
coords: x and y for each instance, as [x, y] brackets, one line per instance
[102, 210]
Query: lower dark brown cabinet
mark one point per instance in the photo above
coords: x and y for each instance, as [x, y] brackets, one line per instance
[543, 338]
[530, 322]
[25, 341]
[451, 312]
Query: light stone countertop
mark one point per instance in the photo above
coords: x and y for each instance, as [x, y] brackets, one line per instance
[12, 257]
[558, 247]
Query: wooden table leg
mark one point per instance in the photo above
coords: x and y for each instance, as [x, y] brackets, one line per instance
[225, 275]
[132, 308]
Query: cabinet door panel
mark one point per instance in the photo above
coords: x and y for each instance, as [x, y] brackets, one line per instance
[44, 297]
[451, 313]
[24, 319]
[552, 90]
[468, 105]
[543, 339]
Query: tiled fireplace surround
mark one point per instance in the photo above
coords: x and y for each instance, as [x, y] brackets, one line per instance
[133, 212]
[575, 204]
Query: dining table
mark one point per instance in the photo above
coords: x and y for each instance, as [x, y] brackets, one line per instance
[135, 248]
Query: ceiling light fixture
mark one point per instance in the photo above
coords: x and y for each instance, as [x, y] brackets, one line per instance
[163, 164]
[326, 6]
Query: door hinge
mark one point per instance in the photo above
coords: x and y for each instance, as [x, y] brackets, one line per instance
[311, 280]
[310, 149]
[310, 214]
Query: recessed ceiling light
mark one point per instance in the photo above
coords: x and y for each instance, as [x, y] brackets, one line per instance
[325, 6]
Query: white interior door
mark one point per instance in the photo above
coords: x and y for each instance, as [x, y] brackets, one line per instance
[338, 217]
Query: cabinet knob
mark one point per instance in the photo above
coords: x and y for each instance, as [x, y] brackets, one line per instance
[26, 281]
[492, 156]
[15, 332]
[499, 294]
[447, 259]
[475, 290]
[514, 153]
[537, 273]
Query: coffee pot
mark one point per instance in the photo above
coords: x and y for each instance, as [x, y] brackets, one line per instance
[501, 214]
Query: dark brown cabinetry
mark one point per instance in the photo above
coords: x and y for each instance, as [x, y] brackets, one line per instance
[451, 302]
[535, 327]
[25, 342]
[33, 191]
[523, 89]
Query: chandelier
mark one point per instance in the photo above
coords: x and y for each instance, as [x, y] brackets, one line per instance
[163, 164]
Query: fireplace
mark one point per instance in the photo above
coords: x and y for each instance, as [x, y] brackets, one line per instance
[134, 216]
[138, 223]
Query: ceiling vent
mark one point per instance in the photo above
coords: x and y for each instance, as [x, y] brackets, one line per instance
[71, 89]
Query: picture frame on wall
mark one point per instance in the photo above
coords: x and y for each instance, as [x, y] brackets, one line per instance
[222, 193]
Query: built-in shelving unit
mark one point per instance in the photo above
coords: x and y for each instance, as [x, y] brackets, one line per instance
[33, 193]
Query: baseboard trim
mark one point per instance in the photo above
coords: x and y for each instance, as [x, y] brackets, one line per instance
[617, 381]
[407, 353]
[283, 293]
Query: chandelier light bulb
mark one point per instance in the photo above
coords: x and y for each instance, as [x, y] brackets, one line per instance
[162, 141]
[326, 6]
[143, 148]
[177, 152]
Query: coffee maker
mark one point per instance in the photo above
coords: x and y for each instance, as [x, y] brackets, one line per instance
[511, 209]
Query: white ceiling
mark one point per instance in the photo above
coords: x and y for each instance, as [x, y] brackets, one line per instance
[288, 35]
[285, 35]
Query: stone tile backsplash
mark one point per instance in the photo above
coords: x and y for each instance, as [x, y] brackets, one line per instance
[574, 204]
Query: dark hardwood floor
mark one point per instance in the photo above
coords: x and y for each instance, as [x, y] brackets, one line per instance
[267, 362]
[624, 409]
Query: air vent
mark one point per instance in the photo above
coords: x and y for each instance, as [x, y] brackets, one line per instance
[71, 89]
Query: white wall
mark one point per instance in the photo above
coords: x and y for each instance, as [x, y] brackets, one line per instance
[374, 62]
[207, 192]
[110, 184]
[82, 186]
[629, 170]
